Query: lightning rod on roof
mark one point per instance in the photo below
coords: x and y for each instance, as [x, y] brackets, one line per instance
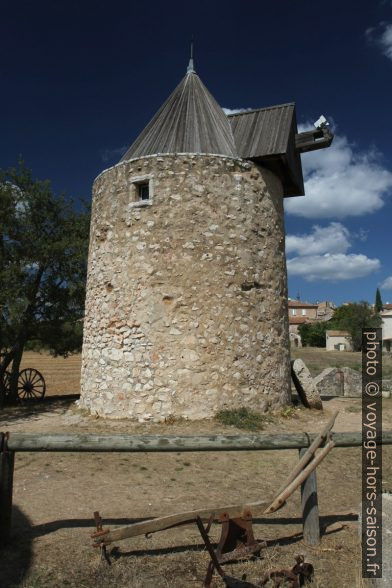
[191, 65]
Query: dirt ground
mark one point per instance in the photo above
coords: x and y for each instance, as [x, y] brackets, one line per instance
[55, 495]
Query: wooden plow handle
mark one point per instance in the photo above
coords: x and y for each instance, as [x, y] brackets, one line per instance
[302, 470]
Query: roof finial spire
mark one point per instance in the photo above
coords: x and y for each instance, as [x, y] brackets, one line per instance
[191, 68]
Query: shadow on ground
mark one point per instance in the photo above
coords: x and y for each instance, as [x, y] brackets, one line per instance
[16, 555]
[35, 409]
[33, 532]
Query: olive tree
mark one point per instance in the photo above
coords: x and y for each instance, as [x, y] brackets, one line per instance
[43, 255]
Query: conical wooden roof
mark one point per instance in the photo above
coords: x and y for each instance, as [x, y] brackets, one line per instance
[190, 121]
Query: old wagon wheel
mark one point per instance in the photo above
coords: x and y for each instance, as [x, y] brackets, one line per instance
[31, 385]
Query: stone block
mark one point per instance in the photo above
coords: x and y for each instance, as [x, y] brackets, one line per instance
[305, 385]
[352, 383]
[330, 382]
[387, 385]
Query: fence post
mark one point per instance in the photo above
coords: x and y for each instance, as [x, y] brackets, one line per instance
[6, 482]
[310, 511]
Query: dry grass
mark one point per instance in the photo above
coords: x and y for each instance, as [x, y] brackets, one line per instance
[318, 359]
[62, 375]
[56, 494]
[179, 560]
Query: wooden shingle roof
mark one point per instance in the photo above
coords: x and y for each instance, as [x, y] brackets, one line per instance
[267, 136]
[262, 132]
[190, 121]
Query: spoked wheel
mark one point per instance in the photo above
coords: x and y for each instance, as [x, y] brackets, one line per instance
[31, 385]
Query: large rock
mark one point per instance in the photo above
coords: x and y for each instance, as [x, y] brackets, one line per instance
[339, 382]
[330, 382]
[305, 385]
[352, 382]
[387, 385]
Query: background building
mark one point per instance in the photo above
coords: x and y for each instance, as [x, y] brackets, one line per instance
[386, 316]
[338, 341]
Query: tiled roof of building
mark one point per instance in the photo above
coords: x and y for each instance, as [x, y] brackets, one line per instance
[298, 320]
[299, 304]
[338, 334]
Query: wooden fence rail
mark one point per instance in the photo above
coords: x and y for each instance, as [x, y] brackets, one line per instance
[77, 442]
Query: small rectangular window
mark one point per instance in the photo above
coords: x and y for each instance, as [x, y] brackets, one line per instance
[293, 312]
[303, 311]
[144, 191]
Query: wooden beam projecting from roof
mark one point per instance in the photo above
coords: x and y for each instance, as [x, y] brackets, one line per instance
[312, 140]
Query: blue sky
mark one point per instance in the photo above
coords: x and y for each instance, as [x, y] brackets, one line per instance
[81, 79]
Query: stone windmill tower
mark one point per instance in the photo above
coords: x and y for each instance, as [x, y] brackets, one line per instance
[186, 309]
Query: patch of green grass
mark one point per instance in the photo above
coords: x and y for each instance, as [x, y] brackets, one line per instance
[289, 412]
[353, 408]
[242, 418]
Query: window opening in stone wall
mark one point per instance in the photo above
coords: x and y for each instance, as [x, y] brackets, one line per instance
[143, 191]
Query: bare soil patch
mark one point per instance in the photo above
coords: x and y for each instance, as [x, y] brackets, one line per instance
[55, 496]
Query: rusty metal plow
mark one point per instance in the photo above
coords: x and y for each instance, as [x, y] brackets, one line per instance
[237, 540]
[293, 578]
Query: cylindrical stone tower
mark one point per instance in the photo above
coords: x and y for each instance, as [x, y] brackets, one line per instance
[186, 309]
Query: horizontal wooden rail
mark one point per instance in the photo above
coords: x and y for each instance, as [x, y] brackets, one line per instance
[10, 443]
[78, 442]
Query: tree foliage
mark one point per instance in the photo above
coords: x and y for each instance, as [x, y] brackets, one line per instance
[43, 255]
[313, 334]
[354, 317]
[378, 301]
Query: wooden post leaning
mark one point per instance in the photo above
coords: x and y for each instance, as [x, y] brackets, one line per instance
[309, 500]
[310, 510]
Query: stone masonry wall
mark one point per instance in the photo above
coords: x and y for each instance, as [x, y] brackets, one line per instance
[186, 309]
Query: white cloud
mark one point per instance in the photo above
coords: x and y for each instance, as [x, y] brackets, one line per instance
[334, 238]
[382, 37]
[333, 267]
[385, 41]
[322, 255]
[387, 284]
[341, 182]
[228, 111]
